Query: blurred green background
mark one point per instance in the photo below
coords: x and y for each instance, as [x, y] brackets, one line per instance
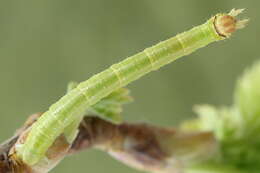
[44, 44]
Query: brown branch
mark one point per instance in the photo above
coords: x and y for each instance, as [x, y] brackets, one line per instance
[141, 146]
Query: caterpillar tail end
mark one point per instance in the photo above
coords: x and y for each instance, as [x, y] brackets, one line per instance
[226, 24]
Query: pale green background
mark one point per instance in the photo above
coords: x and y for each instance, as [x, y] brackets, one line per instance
[46, 43]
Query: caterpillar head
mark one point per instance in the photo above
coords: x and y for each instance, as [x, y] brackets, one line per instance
[226, 24]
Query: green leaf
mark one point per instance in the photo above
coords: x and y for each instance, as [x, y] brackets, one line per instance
[247, 95]
[237, 127]
[207, 121]
[110, 107]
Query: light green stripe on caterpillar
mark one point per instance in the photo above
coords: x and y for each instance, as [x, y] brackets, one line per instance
[61, 114]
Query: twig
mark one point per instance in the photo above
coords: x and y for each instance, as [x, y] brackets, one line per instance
[141, 146]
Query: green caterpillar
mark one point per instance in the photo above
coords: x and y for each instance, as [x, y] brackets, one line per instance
[73, 105]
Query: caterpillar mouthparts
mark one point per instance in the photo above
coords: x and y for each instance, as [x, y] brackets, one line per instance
[226, 24]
